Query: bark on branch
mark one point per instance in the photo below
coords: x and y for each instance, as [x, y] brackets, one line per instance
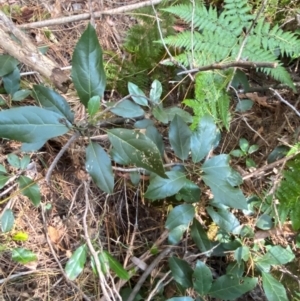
[27, 53]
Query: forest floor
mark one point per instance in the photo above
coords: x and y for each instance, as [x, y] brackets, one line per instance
[123, 223]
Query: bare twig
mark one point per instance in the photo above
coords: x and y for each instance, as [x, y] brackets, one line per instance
[87, 16]
[106, 290]
[147, 272]
[241, 64]
[285, 101]
[84, 296]
[59, 155]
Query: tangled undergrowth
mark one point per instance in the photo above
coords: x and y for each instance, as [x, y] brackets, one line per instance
[133, 199]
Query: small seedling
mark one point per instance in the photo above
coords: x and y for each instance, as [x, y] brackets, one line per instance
[244, 151]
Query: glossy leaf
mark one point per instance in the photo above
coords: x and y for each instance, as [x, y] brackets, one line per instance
[264, 222]
[173, 111]
[3, 179]
[75, 264]
[180, 299]
[253, 148]
[23, 256]
[205, 138]
[244, 145]
[24, 162]
[160, 114]
[7, 220]
[244, 105]
[138, 149]
[180, 137]
[180, 215]
[94, 105]
[199, 236]
[87, 67]
[161, 188]
[7, 64]
[224, 219]
[144, 123]
[190, 192]
[14, 160]
[116, 266]
[98, 165]
[32, 125]
[202, 278]
[273, 289]
[156, 91]
[30, 189]
[278, 153]
[51, 100]
[128, 109]
[231, 287]
[156, 137]
[21, 94]
[11, 81]
[137, 94]
[217, 170]
[175, 235]
[242, 253]
[181, 271]
[235, 269]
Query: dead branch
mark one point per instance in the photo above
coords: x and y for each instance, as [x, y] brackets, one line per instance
[87, 16]
[27, 53]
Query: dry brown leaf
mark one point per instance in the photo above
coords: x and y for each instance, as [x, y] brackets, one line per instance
[54, 234]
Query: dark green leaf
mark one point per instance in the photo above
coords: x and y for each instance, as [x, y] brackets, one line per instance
[244, 105]
[242, 253]
[240, 79]
[51, 100]
[190, 192]
[181, 271]
[234, 178]
[137, 94]
[244, 145]
[128, 109]
[135, 177]
[253, 148]
[264, 222]
[180, 137]
[137, 149]
[98, 165]
[32, 125]
[30, 189]
[204, 138]
[156, 91]
[217, 171]
[237, 153]
[229, 287]
[3, 179]
[180, 299]
[180, 215]
[76, 263]
[173, 111]
[175, 235]
[200, 238]
[21, 94]
[116, 266]
[23, 256]
[224, 219]
[87, 67]
[160, 188]
[7, 64]
[125, 292]
[274, 290]
[94, 105]
[295, 217]
[143, 124]
[160, 114]
[155, 136]
[235, 269]
[202, 278]
[11, 82]
[278, 153]
[13, 160]
[7, 220]
[24, 162]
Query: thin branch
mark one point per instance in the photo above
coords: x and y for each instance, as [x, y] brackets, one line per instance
[285, 101]
[147, 272]
[87, 16]
[59, 155]
[241, 64]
